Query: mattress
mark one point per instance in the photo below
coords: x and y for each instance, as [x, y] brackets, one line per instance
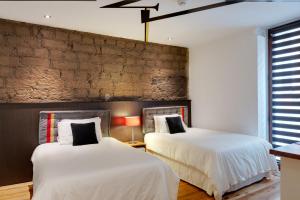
[108, 170]
[226, 159]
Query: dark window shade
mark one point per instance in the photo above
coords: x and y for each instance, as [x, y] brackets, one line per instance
[284, 84]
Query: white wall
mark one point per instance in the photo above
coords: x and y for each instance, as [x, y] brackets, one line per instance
[223, 84]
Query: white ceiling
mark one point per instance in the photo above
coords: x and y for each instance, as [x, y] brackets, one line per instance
[189, 30]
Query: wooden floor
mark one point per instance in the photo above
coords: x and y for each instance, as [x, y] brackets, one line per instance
[21, 191]
[264, 190]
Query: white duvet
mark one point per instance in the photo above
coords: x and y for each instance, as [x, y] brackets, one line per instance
[109, 170]
[227, 159]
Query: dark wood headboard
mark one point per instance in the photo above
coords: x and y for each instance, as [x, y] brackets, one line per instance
[19, 130]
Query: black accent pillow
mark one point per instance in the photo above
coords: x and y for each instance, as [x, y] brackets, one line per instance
[175, 125]
[84, 134]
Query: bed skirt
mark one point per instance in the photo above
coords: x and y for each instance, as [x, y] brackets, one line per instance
[199, 179]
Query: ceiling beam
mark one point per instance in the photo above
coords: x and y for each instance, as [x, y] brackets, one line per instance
[146, 17]
[120, 4]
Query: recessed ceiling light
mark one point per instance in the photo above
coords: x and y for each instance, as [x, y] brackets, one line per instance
[170, 38]
[182, 2]
[47, 16]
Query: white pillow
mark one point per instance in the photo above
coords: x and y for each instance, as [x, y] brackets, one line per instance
[161, 125]
[65, 135]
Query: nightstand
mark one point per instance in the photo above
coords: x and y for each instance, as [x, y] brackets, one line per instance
[137, 144]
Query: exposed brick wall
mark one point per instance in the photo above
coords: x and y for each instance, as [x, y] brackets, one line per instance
[44, 64]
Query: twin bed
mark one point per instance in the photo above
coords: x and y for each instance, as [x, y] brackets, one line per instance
[109, 170]
[217, 162]
[214, 161]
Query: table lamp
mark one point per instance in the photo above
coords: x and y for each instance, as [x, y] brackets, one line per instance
[132, 121]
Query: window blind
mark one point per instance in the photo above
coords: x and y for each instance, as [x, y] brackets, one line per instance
[284, 84]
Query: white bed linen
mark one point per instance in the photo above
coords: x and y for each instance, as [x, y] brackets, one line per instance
[109, 170]
[227, 159]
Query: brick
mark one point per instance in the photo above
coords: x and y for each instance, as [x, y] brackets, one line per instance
[48, 33]
[140, 46]
[22, 72]
[130, 45]
[75, 37]
[61, 35]
[103, 75]
[182, 72]
[89, 65]
[2, 39]
[173, 50]
[77, 84]
[5, 71]
[154, 48]
[112, 59]
[125, 86]
[121, 44]
[25, 51]
[133, 69]
[150, 48]
[62, 64]
[14, 41]
[63, 55]
[67, 74]
[1, 82]
[4, 96]
[116, 76]
[165, 64]
[22, 30]
[99, 41]
[111, 50]
[84, 48]
[41, 53]
[81, 93]
[4, 60]
[133, 53]
[95, 59]
[175, 64]
[140, 62]
[151, 63]
[167, 72]
[125, 93]
[14, 61]
[94, 92]
[130, 61]
[166, 49]
[82, 75]
[30, 61]
[102, 84]
[54, 44]
[110, 41]
[6, 28]
[83, 56]
[148, 55]
[112, 67]
[87, 40]
[148, 70]
[130, 77]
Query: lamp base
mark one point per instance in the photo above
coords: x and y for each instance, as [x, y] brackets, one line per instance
[132, 142]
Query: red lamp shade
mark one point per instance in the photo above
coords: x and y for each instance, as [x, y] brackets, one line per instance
[118, 121]
[133, 121]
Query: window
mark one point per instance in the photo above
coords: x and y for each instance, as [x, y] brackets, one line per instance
[284, 84]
